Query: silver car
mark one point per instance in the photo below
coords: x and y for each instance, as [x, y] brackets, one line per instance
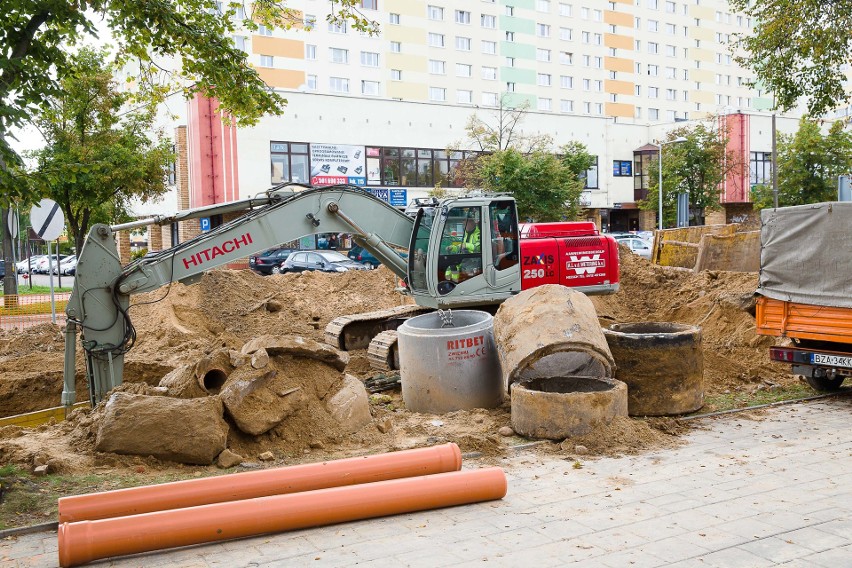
[638, 246]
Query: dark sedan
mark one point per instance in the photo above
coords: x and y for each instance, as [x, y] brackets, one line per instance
[270, 261]
[322, 260]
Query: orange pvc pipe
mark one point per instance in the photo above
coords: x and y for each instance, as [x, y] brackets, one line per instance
[85, 541]
[253, 484]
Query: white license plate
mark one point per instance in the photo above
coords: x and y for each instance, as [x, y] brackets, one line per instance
[831, 360]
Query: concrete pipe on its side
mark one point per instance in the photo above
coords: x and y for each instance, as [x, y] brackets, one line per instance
[550, 331]
[662, 365]
[253, 484]
[85, 541]
[563, 407]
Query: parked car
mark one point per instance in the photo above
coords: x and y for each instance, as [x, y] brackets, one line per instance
[33, 260]
[270, 261]
[363, 256]
[638, 246]
[43, 265]
[322, 260]
[65, 265]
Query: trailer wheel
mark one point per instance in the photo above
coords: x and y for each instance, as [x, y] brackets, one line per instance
[825, 384]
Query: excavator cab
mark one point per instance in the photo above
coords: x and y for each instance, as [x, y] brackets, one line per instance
[465, 252]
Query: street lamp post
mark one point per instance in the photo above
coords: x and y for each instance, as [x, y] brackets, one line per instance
[659, 146]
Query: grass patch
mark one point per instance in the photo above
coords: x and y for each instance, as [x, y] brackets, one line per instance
[27, 500]
[24, 289]
[737, 400]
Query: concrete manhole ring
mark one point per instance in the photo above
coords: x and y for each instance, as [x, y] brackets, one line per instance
[556, 408]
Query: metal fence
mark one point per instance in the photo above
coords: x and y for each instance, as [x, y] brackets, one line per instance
[20, 312]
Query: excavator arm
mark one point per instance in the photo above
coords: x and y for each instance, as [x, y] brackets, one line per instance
[100, 301]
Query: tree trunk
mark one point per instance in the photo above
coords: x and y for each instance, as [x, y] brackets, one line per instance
[10, 280]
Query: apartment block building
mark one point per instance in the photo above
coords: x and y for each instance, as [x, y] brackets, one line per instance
[381, 111]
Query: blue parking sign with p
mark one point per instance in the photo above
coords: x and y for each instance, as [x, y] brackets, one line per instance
[205, 224]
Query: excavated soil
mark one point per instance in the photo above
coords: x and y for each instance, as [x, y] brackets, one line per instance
[181, 324]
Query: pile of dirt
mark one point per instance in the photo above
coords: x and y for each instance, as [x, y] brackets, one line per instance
[227, 309]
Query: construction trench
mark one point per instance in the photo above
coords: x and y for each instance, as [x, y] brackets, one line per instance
[233, 372]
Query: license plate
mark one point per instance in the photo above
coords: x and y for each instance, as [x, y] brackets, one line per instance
[831, 360]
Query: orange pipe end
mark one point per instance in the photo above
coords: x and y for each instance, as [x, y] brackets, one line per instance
[84, 541]
[253, 484]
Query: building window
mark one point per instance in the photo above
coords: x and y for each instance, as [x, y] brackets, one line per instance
[510, 87]
[653, 47]
[435, 12]
[489, 73]
[760, 168]
[437, 94]
[395, 47]
[337, 55]
[591, 176]
[542, 5]
[437, 67]
[542, 30]
[436, 40]
[566, 58]
[510, 36]
[394, 19]
[462, 17]
[370, 4]
[542, 54]
[565, 34]
[653, 25]
[414, 167]
[544, 80]
[369, 59]
[566, 82]
[396, 74]
[565, 10]
[463, 43]
[266, 61]
[566, 106]
[370, 88]
[510, 62]
[653, 114]
[653, 92]
[544, 104]
[312, 82]
[489, 99]
[310, 22]
[239, 42]
[338, 84]
[488, 21]
[289, 162]
[263, 30]
[310, 52]
[622, 168]
[464, 97]
[489, 47]
[463, 70]
[337, 28]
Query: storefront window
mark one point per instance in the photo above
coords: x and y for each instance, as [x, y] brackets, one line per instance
[289, 161]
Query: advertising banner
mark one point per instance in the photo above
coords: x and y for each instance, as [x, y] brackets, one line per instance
[398, 197]
[337, 163]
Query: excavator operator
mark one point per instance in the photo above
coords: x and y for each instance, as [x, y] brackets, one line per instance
[472, 240]
[471, 243]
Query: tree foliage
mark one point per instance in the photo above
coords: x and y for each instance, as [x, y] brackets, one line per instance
[96, 160]
[544, 188]
[809, 163]
[37, 38]
[798, 49]
[502, 130]
[696, 166]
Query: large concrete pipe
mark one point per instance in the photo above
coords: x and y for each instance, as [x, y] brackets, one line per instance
[550, 331]
[85, 541]
[249, 485]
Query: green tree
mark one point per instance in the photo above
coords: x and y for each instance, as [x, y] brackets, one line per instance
[97, 160]
[37, 36]
[798, 49]
[809, 163]
[543, 187]
[696, 166]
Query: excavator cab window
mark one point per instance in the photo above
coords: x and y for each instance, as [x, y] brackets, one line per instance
[418, 255]
[504, 234]
[461, 247]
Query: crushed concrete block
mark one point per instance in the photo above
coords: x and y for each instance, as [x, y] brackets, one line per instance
[228, 459]
[299, 347]
[259, 359]
[266, 456]
[351, 405]
[180, 430]
[257, 404]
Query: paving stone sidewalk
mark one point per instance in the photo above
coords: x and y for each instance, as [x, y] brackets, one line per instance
[766, 489]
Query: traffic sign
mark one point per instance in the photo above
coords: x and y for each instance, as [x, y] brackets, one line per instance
[12, 223]
[47, 219]
[205, 223]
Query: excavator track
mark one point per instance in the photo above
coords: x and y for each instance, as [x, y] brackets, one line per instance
[356, 331]
[383, 353]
